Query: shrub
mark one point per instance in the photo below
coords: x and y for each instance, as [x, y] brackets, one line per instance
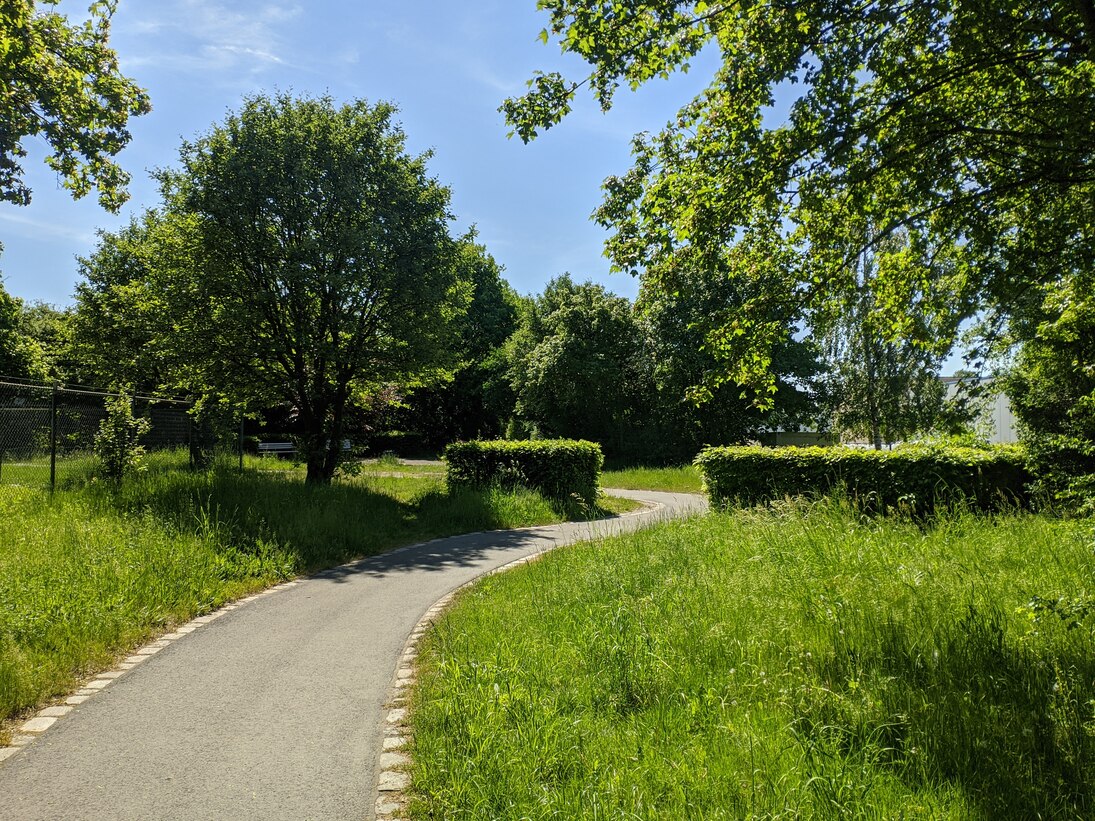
[117, 442]
[913, 477]
[558, 468]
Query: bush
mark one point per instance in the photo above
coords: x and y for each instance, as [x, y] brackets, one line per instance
[117, 444]
[913, 477]
[558, 468]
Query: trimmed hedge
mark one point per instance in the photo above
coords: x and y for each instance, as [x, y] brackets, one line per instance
[558, 468]
[913, 477]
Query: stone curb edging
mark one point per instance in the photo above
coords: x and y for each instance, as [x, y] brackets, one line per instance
[33, 728]
[393, 781]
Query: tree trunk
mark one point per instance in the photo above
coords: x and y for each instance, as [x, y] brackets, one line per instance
[315, 457]
[323, 445]
[334, 441]
[314, 445]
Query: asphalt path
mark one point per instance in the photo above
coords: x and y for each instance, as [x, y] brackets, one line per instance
[274, 710]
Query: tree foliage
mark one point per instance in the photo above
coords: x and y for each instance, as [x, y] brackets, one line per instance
[62, 83]
[968, 125]
[124, 326]
[16, 356]
[676, 327]
[301, 257]
[34, 339]
[575, 363]
[475, 402]
[1052, 390]
[882, 388]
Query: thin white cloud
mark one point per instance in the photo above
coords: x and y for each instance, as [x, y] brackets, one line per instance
[40, 229]
[208, 36]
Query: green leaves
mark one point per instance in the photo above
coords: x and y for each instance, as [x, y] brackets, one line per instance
[559, 468]
[544, 106]
[62, 84]
[301, 255]
[912, 478]
[967, 125]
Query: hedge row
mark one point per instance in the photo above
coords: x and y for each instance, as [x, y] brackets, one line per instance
[558, 468]
[914, 477]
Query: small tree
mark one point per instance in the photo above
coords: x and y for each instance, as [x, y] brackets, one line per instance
[882, 386]
[117, 442]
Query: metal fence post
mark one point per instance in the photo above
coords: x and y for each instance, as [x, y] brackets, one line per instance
[53, 439]
[241, 443]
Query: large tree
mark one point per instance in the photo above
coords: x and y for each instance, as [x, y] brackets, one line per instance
[575, 363]
[970, 125]
[302, 257]
[62, 84]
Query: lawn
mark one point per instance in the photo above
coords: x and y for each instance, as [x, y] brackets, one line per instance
[94, 570]
[684, 479]
[794, 661]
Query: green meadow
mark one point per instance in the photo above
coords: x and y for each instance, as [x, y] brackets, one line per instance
[795, 661]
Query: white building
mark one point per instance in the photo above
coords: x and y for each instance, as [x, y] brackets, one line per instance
[995, 419]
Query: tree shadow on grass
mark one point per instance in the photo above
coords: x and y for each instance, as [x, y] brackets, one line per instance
[318, 525]
[1006, 723]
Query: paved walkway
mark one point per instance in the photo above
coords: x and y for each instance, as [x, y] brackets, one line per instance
[274, 710]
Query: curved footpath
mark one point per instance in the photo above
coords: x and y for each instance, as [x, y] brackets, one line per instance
[273, 710]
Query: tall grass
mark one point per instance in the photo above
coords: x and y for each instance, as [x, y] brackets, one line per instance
[801, 661]
[95, 569]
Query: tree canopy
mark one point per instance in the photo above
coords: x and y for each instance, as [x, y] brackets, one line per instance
[575, 363]
[968, 125]
[477, 401]
[62, 83]
[301, 257]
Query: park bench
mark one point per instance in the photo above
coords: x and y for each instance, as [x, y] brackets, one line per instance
[277, 449]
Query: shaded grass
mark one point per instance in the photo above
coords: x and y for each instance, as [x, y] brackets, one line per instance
[96, 569]
[799, 661]
[684, 479]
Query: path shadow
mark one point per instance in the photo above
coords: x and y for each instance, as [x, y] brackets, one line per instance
[437, 555]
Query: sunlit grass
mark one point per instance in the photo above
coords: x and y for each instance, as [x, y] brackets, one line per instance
[94, 569]
[797, 661]
[684, 479]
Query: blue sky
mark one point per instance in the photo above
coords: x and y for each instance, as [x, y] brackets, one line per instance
[447, 65]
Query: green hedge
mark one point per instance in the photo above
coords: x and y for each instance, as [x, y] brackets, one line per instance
[558, 468]
[914, 477]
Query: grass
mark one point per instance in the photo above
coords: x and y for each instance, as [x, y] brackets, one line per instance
[94, 570]
[33, 471]
[684, 479]
[796, 661]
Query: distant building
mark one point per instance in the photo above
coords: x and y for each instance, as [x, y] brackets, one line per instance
[995, 420]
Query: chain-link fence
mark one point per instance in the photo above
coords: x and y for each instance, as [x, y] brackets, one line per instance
[47, 434]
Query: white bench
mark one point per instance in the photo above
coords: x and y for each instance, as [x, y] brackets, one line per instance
[277, 448]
